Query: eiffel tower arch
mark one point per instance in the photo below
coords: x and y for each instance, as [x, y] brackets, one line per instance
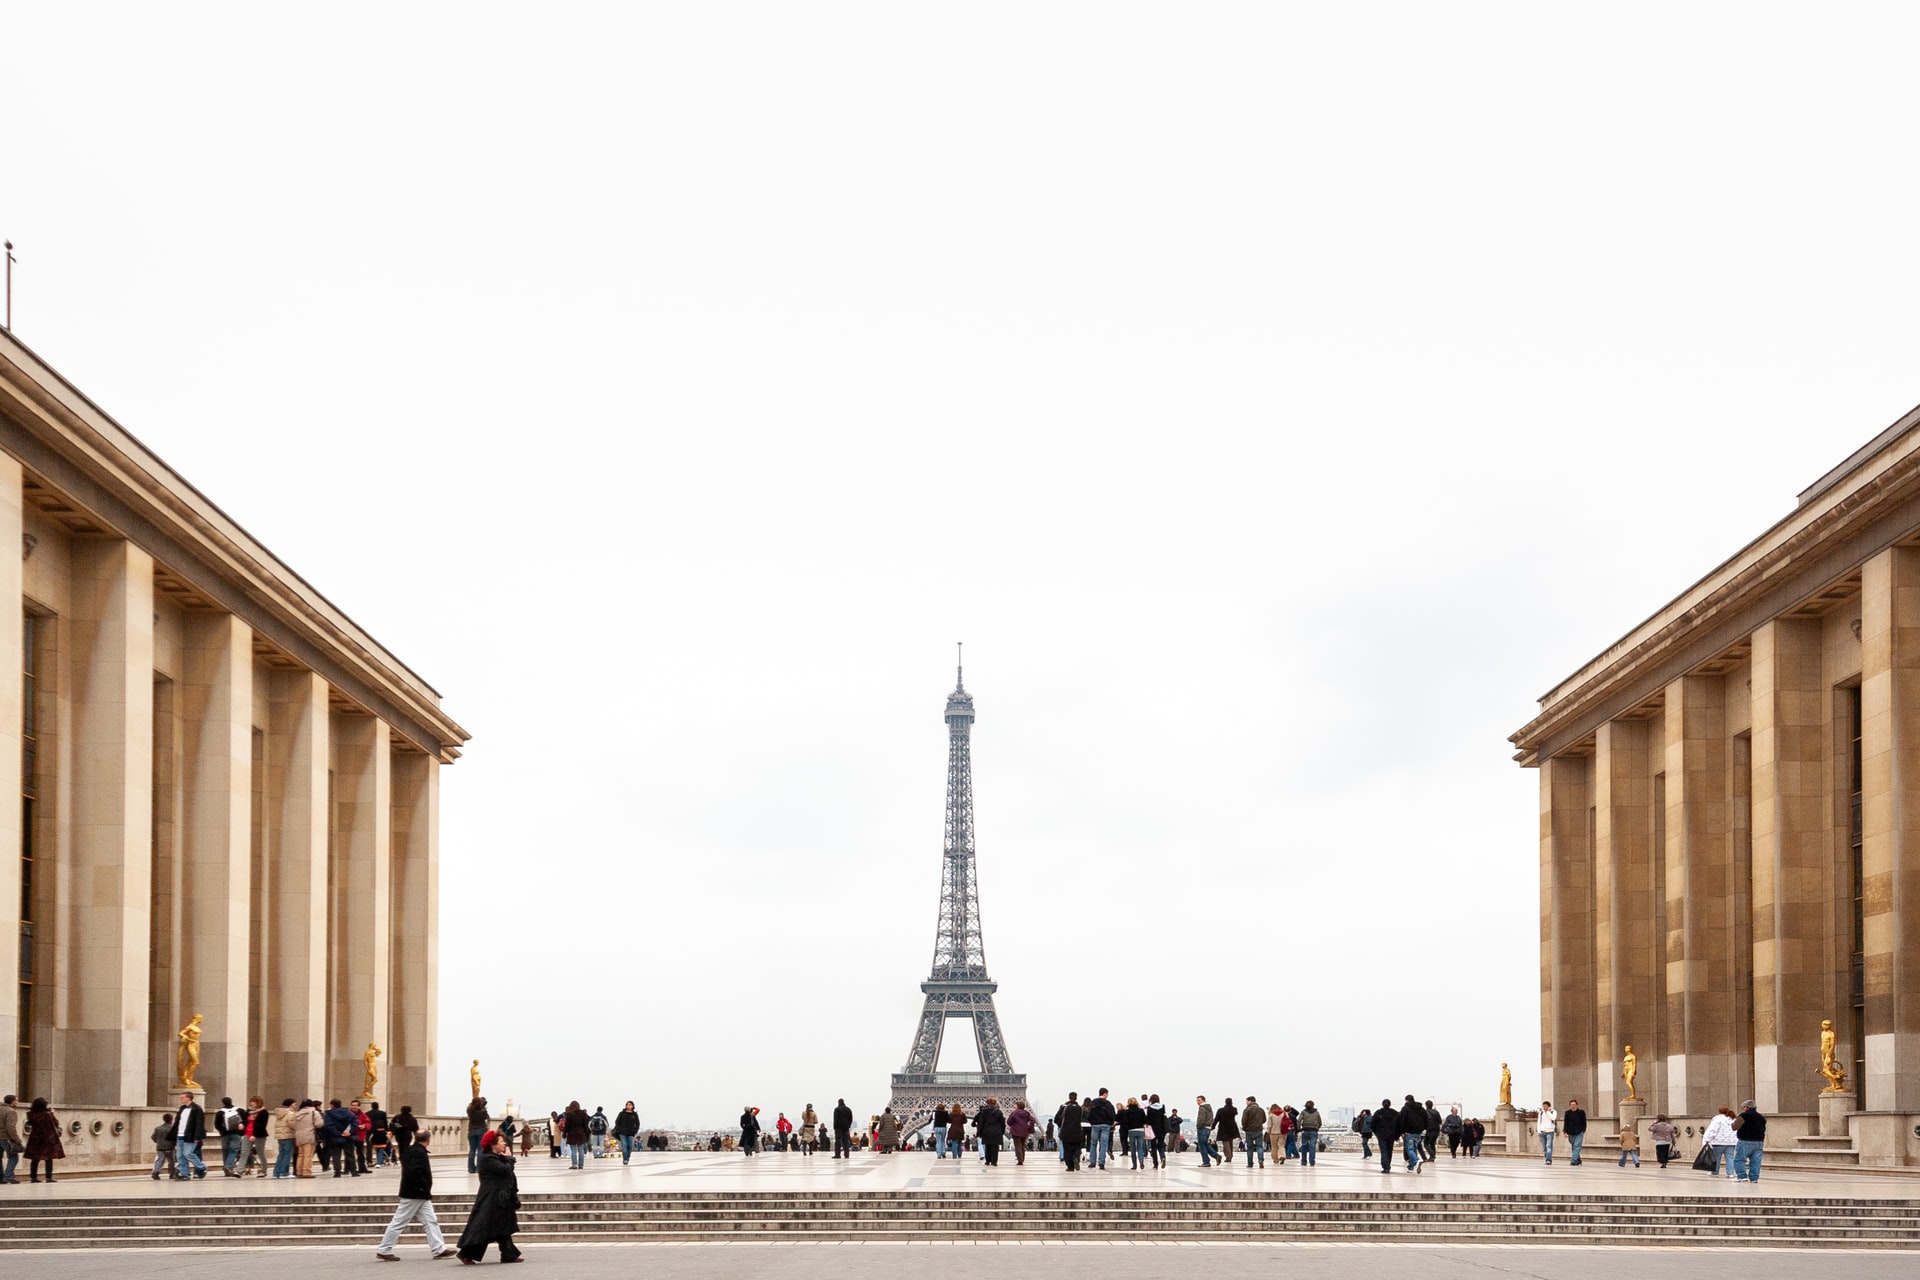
[958, 986]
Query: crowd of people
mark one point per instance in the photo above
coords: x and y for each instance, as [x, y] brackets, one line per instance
[1732, 1141]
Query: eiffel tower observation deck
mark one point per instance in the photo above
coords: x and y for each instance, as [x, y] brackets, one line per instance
[958, 986]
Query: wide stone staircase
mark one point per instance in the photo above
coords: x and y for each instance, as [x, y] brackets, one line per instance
[908, 1216]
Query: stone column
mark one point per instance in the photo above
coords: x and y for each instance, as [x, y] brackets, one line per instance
[215, 695]
[362, 893]
[295, 981]
[1623, 882]
[12, 663]
[1701, 1072]
[100, 1046]
[1794, 955]
[1890, 824]
[1566, 929]
[416, 927]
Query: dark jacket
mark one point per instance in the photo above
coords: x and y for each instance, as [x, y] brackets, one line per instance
[940, 1119]
[416, 1173]
[476, 1116]
[1072, 1121]
[1021, 1123]
[1433, 1121]
[195, 1129]
[957, 1124]
[573, 1127]
[228, 1120]
[1100, 1111]
[749, 1126]
[163, 1137]
[626, 1124]
[1573, 1121]
[1226, 1124]
[495, 1214]
[1385, 1124]
[43, 1135]
[342, 1126]
[1413, 1118]
[258, 1123]
[990, 1123]
[1309, 1120]
[1157, 1119]
[1453, 1124]
[843, 1119]
[1752, 1126]
[1134, 1117]
[380, 1121]
[403, 1127]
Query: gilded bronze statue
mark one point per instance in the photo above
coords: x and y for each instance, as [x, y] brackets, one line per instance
[474, 1075]
[188, 1058]
[1506, 1086]
[371, 1058]
[1836, 1074]
[1629, 1067]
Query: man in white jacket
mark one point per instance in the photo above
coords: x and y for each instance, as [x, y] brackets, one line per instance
[1546, 1126]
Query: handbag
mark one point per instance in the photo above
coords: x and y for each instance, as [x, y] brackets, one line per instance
[1706, 1161]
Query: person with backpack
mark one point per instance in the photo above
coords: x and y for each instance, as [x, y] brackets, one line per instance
[596, 1131]
[228, 1122]
[1363, 1125]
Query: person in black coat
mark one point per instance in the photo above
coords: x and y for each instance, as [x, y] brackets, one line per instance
[1413, 1132]
[1072, 1122]
[495, 1215]
[750, 1129]
[1386, 1126]
[403, 1127]
[843, 1130]
[626, 1128]
[1132, 1120]
[416, 1202]
[1226, 1127]
[991, 1124]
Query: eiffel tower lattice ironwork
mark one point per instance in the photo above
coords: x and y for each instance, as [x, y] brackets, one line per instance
[959, 986]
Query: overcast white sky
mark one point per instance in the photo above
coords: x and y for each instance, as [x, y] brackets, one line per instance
[1276, 398]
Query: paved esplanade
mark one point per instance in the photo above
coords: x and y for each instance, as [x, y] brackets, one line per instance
[1341, 1172]
[789, 1261]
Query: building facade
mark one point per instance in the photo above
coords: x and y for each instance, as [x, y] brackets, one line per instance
[1730, 824]
[229, 791]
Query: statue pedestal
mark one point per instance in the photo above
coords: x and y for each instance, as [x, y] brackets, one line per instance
[1506, 1123]
[1632, 1112]
[1834, 1110]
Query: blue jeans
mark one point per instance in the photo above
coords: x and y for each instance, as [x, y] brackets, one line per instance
[473, 1152]
[229, 1151]
[1746, 1161]
[1137, 1146]
[1575, 1141]
[1366, 1143]
[188, 1154]
[1309, 1146]
[8, 1164]
[1410, 1148]
[283, 1159]
[578, 1152]
[1102, 1145]
[1546, 1146]
[1203, 1139]
[940, 1144]
[626, 1147]
[1256, 1144]
[1293, 1145]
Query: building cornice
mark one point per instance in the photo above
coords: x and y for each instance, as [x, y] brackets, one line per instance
[1837, 528]
[58, 433]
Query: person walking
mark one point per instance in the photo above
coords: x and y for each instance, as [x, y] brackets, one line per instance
[1100, 1119]
[253, 1136]
[1020, 1126]
[626, 1128]
[1453, 1128]
[494, 1218]
[416, 1203]
[1363, 1125]
[1253, 1132]
[1721, 1139]
[1203, 1130]
[842, 1130]
[887, 1131]
[991, 1124]
[957, 1130]
[12, 1140]
[809, 1130]
[189, 1130]
[43, 1140]
[1309, 1122]
[1474, 1134]
[1385, 1125]
[1546, 1125]
[1413, 1133]
[1071, 1121]
[227, 1123]
[1430, 1138]
[1132, 1120]
[1157, 1131]
[1629, 1144]
[939, 1131]
[1662, 1132]
[1750, 1135]
[1573, 1123]
[477, 1127]
[162, 1138]
[574, 1133]
[1277, 1131]
[1226, 1127]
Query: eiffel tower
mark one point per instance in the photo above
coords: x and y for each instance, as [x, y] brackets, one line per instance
[959, 986]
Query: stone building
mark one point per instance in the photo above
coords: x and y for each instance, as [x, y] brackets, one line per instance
[1730, 825]
[229, 791]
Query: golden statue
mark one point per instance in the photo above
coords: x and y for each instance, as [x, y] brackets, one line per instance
[474, 1075]
[188, 1059]
[1629, 1067]
[371, 1057]
[1506, 1086]
[1835, 1074]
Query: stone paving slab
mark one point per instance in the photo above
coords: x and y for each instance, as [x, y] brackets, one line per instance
[1344, 1173]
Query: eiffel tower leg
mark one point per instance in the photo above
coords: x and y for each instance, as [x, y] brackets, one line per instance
[926, 1041]
[986, 1036]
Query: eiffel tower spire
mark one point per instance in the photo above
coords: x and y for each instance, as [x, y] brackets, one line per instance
[958, 985]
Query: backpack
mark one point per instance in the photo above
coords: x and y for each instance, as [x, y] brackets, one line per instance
[597, 1123]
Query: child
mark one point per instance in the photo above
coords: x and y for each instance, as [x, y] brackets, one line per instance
[163, 1148]
[1629, 1144]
